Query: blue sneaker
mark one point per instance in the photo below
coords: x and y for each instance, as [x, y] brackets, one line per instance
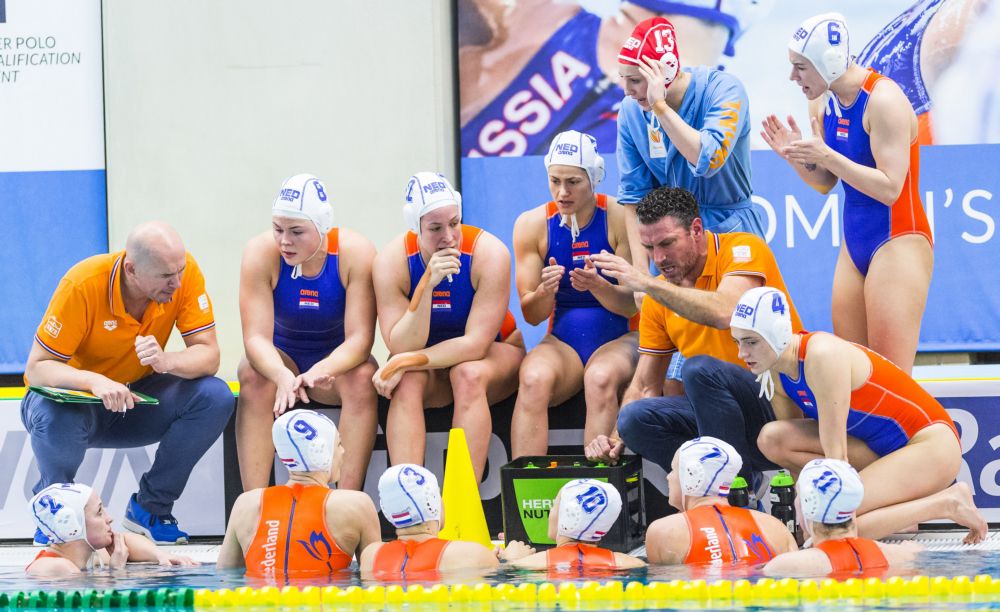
[160, 528]
[40, 538]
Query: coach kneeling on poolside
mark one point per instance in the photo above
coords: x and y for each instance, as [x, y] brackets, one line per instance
[104, 332]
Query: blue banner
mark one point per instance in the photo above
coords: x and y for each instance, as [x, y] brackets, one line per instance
[804, 229]
[53, 219]
[979, 429]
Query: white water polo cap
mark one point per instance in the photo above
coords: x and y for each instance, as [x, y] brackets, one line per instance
[58, 511]
[305, 440]
[765, 310]
[576, 149]
[707, 466]
[304, 196]
[830, 491]
[588, 509]
[409, 495]
[824, 41]
[427, 191]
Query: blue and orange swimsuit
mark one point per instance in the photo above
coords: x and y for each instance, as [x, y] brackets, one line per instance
[309, 311]
[579, 319]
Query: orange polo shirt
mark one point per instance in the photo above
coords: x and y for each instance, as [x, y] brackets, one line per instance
[662, 331]
[87, 327]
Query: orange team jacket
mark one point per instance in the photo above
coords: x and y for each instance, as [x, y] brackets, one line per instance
[579, 556]
[292, 537]
[42, 554]
[401, 557]
[725, 534]
[853, 555]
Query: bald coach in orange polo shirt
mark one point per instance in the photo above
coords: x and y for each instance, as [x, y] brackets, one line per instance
[104, 332]
[687, 309]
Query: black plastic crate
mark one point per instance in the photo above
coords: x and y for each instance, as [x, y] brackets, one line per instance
[529, 484]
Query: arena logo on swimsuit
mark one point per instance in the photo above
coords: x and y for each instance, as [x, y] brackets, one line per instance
[529, 111]
[441, 300]
[309, 298]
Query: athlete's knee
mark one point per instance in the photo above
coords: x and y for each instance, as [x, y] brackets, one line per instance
[411, 386]
[602, 378]
[535, 378]
[772, 440]
[358, 380]
[468, 379]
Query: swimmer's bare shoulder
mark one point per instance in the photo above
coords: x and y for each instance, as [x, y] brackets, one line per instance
[668, 540]
[352, 520]
[240, 531]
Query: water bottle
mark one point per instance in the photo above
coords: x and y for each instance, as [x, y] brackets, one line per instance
[739, 493]
[783, 499]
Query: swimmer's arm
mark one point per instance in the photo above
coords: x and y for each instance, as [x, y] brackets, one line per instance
[648, 379]
[367, 559]
[468, 555]
[140, 548]
[889, 117]
[710, 308]
[245, 509]
[355, 511]
[405, 323]
[628, 561]
[257, 308]
[537, 561]
[828, 370]
[357, 254]
[536, 303]
[491, 279]
[801, 563]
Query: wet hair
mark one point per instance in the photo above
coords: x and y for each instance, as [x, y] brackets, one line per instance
[668, 201]
[833, 528]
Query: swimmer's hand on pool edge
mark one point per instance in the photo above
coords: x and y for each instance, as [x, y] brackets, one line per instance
[605, 448]
[514, 550]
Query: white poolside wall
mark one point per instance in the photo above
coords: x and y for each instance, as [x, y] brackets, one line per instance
[210, 104]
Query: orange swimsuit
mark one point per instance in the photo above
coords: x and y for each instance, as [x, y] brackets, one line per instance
[725, 534]
[292, 537]
[406, 557]
[853, 555]
[579, 557]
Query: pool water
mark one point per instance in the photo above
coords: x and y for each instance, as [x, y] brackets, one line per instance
[140, 576]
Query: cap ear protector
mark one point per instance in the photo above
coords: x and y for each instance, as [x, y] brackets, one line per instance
[707, 466]
[825, 41]
[305, 440]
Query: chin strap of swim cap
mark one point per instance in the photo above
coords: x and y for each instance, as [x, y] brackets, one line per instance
[572, 225]
[766, 385]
